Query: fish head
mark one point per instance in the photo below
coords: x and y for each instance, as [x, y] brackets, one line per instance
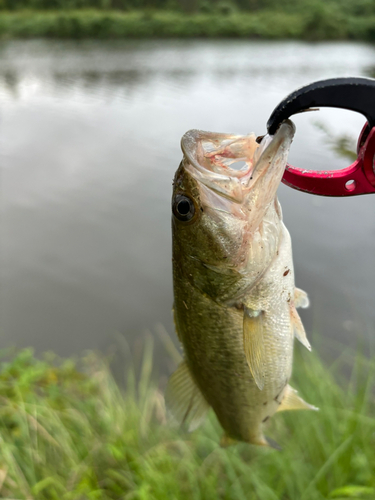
[226, 216]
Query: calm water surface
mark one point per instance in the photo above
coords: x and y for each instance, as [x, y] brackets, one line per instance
[90, 136]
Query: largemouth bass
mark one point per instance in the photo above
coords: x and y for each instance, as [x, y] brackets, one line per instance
[234, 295]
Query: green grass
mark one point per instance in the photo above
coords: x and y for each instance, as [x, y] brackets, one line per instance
[73, 434]
[321, 23]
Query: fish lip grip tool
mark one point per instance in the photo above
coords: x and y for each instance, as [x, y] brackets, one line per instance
[355, 94]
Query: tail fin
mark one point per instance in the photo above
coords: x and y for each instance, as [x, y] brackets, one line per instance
[226, 441]
[273, 444]
[261, 440]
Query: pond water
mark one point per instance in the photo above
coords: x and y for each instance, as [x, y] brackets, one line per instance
[89, 140]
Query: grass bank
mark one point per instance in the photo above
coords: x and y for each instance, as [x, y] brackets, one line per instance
[313, 24]
[67, 434]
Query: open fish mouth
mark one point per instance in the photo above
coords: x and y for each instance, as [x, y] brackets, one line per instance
[232, 165]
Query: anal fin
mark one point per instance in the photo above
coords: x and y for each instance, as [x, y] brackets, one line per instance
[253, 344]
[298, 328]
[301, 298]
[291, 401]
[184, 400]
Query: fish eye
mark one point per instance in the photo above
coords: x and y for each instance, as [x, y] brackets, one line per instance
[183, 208]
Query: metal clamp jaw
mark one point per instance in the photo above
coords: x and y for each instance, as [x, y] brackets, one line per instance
[356, 94]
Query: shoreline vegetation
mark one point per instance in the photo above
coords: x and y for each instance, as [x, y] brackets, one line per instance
[68, 432]
[320, 22]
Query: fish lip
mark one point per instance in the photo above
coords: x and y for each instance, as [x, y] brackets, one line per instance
[287, 128]
[269, 148]
[270, 143]
[224, 180]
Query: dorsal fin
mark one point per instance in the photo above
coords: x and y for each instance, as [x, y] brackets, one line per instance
[184, 400]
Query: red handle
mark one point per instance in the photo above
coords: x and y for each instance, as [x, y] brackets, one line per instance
[358, 178]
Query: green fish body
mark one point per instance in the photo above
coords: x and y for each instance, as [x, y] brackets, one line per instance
[234, 294]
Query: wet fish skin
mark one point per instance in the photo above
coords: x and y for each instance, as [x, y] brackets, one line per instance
[234, 293]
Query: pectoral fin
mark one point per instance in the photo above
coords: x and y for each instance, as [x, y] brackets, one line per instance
[298, 328]
[291, 401]
[300, 298]
[253, 344]
[184, 400]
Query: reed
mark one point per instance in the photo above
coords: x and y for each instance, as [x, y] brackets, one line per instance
[67, 431]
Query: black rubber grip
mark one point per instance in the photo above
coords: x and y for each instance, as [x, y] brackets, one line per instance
[355, 94]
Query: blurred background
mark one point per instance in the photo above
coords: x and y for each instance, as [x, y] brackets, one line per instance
[93, 106]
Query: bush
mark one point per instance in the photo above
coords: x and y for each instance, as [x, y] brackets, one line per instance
[325, 22]
[321, 24]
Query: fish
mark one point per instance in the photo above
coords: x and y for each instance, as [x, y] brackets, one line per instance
[235, 300]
